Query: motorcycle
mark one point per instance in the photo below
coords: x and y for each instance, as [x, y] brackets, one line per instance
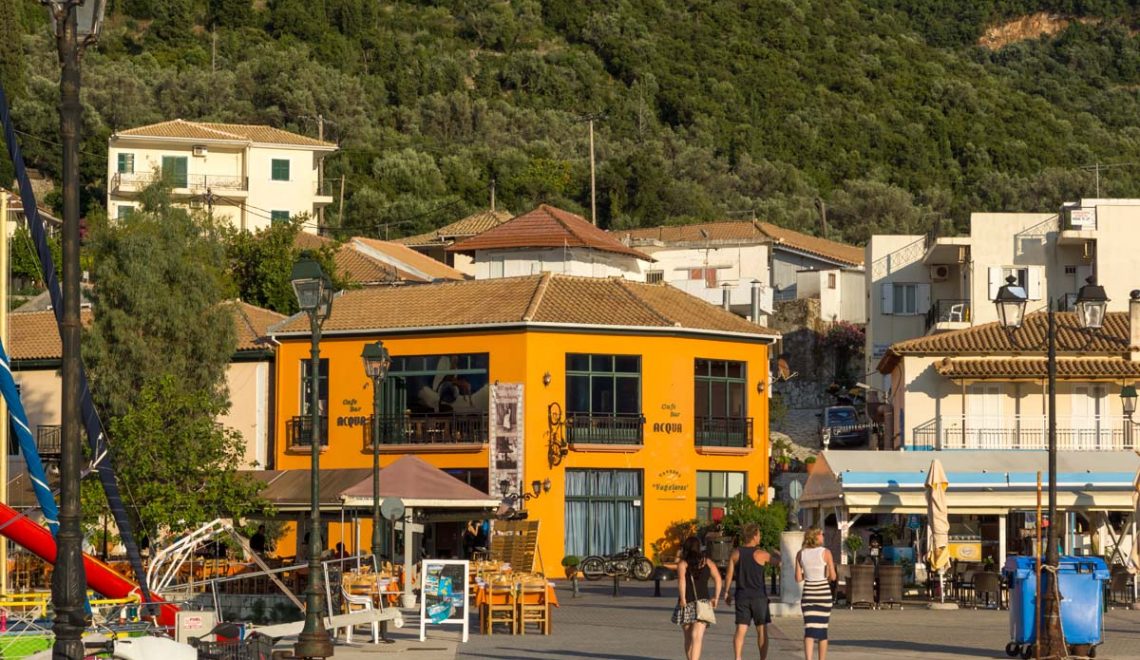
[627, 562]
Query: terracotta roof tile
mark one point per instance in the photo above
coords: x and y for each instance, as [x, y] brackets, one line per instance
[748, 231]
[1036, 368]
[252, 324]
[547, 227]
[209, 131]
[472, 225]
[541, 299]
[992, 339]
[411, 264]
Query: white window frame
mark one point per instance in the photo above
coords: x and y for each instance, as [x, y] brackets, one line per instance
[892, 291]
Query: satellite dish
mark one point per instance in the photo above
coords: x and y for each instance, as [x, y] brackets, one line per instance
[392, 508]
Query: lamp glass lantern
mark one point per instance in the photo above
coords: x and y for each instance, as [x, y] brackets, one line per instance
[1128, 400]
[536, 487]
[88, 16]
[1091, 305]
[312, 288]
[1010, 301]
[376, 360]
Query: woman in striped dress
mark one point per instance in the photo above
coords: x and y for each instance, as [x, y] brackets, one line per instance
[816, 569]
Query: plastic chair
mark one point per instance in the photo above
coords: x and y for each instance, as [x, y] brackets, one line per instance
[357, 598]
[957, 313]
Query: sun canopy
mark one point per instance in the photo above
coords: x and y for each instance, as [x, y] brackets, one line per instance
[981, 482]
[420, 485]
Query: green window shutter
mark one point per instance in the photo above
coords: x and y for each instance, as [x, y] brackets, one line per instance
[124, 211]
[280, 168]
[174, 169]
[279, 216]
[126, 163]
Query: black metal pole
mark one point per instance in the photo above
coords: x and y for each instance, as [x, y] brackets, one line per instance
[377, 539]
[1051, 641]
[313, 642]
[67, 581]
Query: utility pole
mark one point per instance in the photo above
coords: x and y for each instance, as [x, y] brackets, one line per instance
[492, 194]
[340, 206]
[593, 181]
[213, 50]
[320, 173]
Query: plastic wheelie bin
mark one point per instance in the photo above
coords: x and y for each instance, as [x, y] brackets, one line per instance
[1082, 602]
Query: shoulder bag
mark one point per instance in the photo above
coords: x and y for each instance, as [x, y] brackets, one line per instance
[705, 612]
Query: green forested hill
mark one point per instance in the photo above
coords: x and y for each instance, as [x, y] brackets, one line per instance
[885, 111]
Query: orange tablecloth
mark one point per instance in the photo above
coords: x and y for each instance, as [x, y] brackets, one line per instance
[482, 596]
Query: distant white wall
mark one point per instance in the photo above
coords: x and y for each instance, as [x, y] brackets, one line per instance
[489, 264]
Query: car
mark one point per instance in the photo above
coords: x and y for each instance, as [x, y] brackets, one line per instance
[844, 427]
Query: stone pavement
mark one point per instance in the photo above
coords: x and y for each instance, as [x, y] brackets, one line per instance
[597, 626]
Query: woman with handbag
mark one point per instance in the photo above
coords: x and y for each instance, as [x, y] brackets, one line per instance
[816, 569]
[695, 610]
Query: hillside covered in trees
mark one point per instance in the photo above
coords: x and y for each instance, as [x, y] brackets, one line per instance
[896, 115]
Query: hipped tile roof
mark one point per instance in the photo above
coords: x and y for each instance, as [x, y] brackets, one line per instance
[472, 225]
[547, 227]
[992, 339]
[749, 231]
[1082, 368]
[35, 335]
[351, 265]
[539, 299]
[210, 131]
[431, 269]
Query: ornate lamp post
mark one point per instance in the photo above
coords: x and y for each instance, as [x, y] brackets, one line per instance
[1091, 304]
[77, 24]
[376, 363]
[315, 296]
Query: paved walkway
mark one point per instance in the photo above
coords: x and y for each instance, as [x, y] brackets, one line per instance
[635, 626]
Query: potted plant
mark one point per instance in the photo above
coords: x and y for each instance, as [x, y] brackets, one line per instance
[853, 545]
[570, 563]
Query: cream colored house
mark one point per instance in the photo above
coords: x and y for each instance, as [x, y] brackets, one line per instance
[35, 352]
[250, 175]
[918, 285]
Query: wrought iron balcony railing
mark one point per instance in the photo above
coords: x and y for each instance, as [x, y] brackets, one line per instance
[49, 441]
[299, 432]
[1074, 433]
[605, 429]
[948, 310]
[723, 432]
[428, 429]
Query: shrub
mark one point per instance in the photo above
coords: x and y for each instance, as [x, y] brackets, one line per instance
[772, 519]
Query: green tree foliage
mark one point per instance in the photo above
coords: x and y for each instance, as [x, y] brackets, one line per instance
[887, 111]
[25, 263]
[772, 519]
[157, 353]
[260, 264]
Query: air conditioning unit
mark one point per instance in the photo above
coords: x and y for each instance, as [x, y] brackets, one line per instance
[939, 273]
[200, 150]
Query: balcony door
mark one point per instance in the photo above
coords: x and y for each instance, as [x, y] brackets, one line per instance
[985, 427]
[1086, 424]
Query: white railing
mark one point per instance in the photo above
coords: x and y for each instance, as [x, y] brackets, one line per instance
[1074, 433]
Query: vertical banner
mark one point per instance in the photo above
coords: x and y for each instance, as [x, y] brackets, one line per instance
[506, 469]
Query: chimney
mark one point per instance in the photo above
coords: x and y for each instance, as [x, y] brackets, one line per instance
[726, 296]
[1134, 325]
[756, 291]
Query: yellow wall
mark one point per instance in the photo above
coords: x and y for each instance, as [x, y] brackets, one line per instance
[518, 356]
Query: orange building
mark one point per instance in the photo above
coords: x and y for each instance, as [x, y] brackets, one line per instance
[639, 404]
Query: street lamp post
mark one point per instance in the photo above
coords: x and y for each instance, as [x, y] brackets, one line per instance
[1090, 308]
[376, 363]
[315, 296]
[77, 23]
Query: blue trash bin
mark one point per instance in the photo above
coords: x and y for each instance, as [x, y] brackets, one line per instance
[1082, 599]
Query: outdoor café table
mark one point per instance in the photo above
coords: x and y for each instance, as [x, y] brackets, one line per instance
[482, 598]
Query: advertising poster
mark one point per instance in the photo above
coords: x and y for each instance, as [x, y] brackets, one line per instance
[443, 599]
[506, 469]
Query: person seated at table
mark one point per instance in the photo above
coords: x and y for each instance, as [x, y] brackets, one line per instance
[340, 552]
[257, 542]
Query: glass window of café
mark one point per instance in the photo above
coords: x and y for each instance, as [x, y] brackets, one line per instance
[719, 403]
[603, 512]
[437, 398]
[715, 489]
[603, 398]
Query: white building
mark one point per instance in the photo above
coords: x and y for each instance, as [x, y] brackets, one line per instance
[435, 243]
[250, 175]
[549, 239]
[717, 259]
[919, 285]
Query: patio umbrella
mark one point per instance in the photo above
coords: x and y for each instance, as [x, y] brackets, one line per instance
[1136, 523]
[938, 519]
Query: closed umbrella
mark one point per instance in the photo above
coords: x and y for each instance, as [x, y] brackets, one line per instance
[938, 519]
[1136, 526]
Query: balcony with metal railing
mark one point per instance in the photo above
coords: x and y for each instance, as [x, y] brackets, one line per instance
[49, 441]
[723, 432]
[948, 314]
[428, 432]
[1074, 433]
[605, 429]
[299, 433]
[194, 184]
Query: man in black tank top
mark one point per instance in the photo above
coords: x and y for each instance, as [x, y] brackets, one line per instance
[747, 565]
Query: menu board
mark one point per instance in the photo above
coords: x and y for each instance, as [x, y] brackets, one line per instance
[443, 594]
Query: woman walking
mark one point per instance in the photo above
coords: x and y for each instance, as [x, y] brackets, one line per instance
[693, 573]
[816, 569]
